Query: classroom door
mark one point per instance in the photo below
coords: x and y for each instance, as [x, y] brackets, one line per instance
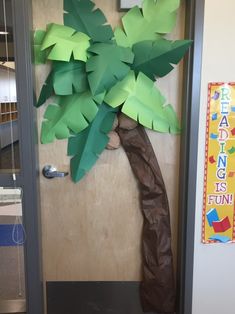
[91, 231]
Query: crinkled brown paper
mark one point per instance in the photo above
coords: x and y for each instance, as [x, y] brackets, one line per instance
[157, 290]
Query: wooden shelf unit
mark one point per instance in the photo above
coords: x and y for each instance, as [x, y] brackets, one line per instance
[8, 112]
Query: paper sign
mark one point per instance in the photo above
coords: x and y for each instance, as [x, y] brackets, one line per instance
[11, 209]
[219, 179]
[10, 195]
[127, 4]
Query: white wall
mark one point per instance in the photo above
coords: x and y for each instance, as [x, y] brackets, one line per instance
[214, 274]
[7, 86]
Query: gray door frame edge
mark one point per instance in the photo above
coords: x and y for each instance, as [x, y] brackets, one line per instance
[189, 148]
[27, 177]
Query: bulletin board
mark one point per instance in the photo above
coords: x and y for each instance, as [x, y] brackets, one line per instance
[219, 180]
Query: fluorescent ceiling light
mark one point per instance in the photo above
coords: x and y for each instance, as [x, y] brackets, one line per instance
[4, 33]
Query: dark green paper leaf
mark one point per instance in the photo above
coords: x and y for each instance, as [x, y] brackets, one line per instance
[155, 58]
[107, 66]
[80, 15]
[65, 78]
[156, 18]
[144, 103]
[89, 144]
[46, 92]
[72, 113]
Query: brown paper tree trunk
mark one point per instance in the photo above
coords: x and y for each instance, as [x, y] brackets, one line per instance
[157, 290]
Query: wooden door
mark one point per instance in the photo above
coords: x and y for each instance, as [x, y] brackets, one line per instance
[91, 231]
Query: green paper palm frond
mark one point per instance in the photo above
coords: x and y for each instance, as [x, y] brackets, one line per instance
[107, 65]
[142, 102]
[155, 58]
[71, 113]
[155, 19]
[97, 73]
[82, 16]
[64, 79]
[65, 42]
[87, 146]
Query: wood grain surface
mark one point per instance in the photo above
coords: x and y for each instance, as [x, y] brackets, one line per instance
[92, 230]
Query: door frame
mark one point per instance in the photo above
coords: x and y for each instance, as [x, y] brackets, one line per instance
[194, 26]
[28, 177]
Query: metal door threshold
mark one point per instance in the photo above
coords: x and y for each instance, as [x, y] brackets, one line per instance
[12, 306]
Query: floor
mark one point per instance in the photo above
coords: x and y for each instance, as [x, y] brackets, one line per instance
[6, 157]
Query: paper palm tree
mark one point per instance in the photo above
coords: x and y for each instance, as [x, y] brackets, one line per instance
[97, 73]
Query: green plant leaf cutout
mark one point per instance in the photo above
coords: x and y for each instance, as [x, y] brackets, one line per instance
[87, 146]
[72, 114]
[144, 103]
[40, 56]
[47, 90]
[64, 42]
[155, 58]
[65, 78]
[81, 15]
[107, 66]
[156, 18]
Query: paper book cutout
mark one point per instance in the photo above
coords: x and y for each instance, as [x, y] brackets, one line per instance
[212, 216]
[222, 225]
[214, 116]
[212, 159]
[233, 131]
[231, 150]
[216, 95]
[220, 238]
[213, 136]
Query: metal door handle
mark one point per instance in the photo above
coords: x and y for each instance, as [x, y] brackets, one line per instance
[51, 172]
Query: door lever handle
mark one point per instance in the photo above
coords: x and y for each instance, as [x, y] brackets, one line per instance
[51, 172]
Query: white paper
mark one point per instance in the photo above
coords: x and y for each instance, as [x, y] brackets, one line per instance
[11, 210]
[127, 4]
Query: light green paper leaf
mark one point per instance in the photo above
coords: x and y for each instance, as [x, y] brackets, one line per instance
[87, 146]
[156, 18]
[39, 56]
[81, 15]
[107, 66]
[143, 102]
[155, 58]
[65, 42]
[65, 78]
[72, 113]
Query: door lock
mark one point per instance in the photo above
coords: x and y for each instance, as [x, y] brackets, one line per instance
[51, 172]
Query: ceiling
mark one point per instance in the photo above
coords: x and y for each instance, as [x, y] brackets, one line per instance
[8, 27]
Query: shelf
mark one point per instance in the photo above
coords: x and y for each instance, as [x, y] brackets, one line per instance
[2, 113]
[8, 112]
